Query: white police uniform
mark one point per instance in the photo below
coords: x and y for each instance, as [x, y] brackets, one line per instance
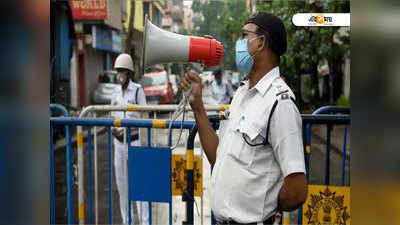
[221, 93]
[246, 180]
[133, 93]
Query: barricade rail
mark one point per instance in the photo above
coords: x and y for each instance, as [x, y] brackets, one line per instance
[93, 123]
[188, 196]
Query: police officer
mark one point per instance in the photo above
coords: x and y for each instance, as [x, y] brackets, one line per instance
[129, 93]
[257, 158]
[221, 90]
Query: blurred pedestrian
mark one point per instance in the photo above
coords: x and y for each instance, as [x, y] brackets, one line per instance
[257, 157]
[221, 89]
[129, 93]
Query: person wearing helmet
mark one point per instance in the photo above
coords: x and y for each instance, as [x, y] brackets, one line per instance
[129, 93]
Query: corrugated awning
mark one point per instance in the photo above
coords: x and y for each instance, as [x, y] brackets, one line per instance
[159, 7]
[138, 20]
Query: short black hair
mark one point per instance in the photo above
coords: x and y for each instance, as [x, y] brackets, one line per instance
[268, 42]
[272, 27]
[217, 72]
[264, 33]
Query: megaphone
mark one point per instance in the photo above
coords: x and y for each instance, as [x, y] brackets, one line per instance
[160, 46]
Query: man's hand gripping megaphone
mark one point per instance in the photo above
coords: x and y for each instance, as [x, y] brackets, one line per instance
[192, 86]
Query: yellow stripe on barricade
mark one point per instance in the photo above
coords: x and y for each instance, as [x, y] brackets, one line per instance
[117, 122]
[189, 159]
[308, 149]
[80, 140]
[132, 108]
[159, 124]
[286, 221]
[223, 107]
[81, 212]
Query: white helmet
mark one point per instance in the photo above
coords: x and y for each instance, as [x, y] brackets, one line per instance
[124, 61]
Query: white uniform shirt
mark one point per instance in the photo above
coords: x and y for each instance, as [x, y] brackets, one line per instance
[128, 98]
[246, 180]
[221, 93]
[121, 153]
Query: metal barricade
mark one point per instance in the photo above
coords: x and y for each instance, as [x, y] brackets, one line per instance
[62, 110]
[328, 110]
[342, 117]
[308, 120]
[189, 194]
[143, 192]
[93, 123]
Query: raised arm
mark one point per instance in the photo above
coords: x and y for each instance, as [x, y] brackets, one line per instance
[208, 137]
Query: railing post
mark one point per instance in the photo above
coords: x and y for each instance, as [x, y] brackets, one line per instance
[328, 154]
[344, 156]
[188, 195]
[90, 178]
[69, 171]
[109, 177]
[81, 193]
[52, 188]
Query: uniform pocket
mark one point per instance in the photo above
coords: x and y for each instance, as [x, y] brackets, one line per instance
[247, 129]
[251, 133]
[244, 153]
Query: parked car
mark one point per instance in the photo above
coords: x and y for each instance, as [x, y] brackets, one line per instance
[106, 84]
[157, 88]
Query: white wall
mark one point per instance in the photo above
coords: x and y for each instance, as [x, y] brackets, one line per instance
[74, 90]
[114, 14]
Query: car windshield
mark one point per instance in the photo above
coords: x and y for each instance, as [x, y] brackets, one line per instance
[154, 80]
[107, 78]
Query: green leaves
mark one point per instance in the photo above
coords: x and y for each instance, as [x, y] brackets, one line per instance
[223, 20]
[308, 46]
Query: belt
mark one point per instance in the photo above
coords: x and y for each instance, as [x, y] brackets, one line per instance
[134, 137]
[268, 221]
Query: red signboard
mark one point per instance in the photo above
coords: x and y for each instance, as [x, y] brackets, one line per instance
[89, 9]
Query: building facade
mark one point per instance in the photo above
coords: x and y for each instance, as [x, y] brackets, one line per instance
[62, 39]
[98, 25]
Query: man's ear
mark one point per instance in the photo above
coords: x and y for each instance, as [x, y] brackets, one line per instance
[262, 43]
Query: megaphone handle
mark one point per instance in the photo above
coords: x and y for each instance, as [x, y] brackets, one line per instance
[187, 92]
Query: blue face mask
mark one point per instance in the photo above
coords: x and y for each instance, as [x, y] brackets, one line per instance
[244, 61]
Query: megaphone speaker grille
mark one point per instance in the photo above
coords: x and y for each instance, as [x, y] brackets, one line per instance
[209, 51]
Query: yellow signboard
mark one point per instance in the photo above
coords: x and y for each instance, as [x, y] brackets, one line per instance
[327, 205]
[178, 175]
[138, 19]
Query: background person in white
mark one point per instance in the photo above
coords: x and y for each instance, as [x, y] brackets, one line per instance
[129, 93]
[255, 175]
[221, 90]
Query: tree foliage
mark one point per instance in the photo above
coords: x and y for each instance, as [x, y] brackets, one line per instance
[309, 46]
[222, 20]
